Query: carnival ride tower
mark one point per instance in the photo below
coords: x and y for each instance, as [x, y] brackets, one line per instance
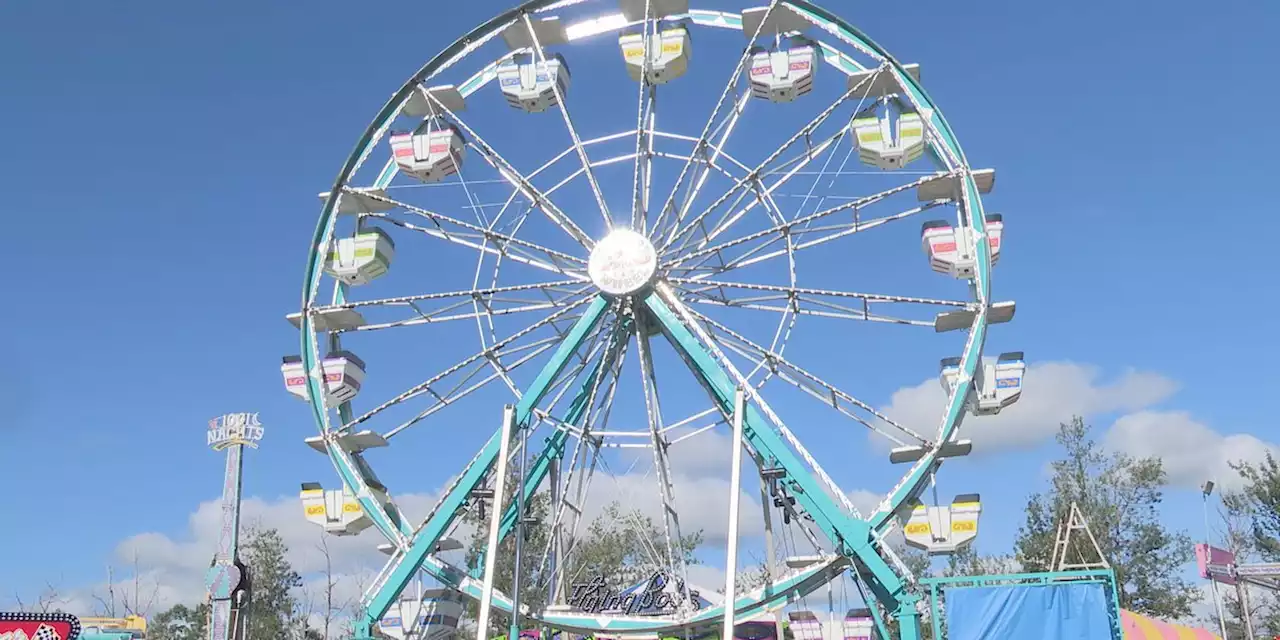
[228, 580]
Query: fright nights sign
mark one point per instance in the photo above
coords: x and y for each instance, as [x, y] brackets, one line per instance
[651, 598]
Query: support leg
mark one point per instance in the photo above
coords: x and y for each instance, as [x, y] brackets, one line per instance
[513, 631]
[491, 557]
[735, 480]
[908, 618]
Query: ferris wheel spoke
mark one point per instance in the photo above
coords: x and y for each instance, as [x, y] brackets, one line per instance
[810, 383]
[814, 236]
[798, 225]
[495, 350]
[805, 132]
[466, 234]
[691, 320]
[552, 452]
[491, 302]
[521, 183]
[666, 491]
[792, 298]
[699, 148]
[582, 470]
[568, 124]
[764, 195]
[555, 262]
[699, 158]
[461, 389]
[645, 117]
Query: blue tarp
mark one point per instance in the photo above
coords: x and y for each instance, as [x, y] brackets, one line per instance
[1075, 611]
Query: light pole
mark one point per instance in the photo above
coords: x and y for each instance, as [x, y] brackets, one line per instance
[1205, 490]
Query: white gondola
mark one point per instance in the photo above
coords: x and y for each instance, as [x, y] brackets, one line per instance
[996, 385]
[887, 144]
[531, 85]
[432, 153]
[359, 259]
[995, 233]
[805, 626]
[434, 617]
[343, 374]
[337, 511]
[669, 52]
[1001, 383]
[944, 529]
[858, 625]
[785, 74]
[951, 250]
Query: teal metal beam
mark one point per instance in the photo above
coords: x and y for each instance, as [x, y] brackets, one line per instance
[554, 447]
[429, 535]
[850, 536]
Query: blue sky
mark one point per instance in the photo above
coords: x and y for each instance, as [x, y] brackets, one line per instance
[161, 163]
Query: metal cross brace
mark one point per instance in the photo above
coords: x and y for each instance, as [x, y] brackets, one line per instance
[425, 540]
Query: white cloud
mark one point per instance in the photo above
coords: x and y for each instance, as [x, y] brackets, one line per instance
[701, 502]
[1052, 393]
[170, 570]
[865, 501]
[1191, 451]
[708, 578]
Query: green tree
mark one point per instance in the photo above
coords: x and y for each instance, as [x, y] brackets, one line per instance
[1252, 518]
[966, 561]
[534, 575]
[1118, 496]
[1261, 498]
[180, 622]
[625, 547]
[276, 613]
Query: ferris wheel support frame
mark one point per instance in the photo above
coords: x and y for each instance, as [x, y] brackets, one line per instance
[413, 547]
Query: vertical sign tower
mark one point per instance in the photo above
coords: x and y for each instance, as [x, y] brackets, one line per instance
[228, 579]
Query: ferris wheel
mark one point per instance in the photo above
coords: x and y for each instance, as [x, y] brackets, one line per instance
[568, 228]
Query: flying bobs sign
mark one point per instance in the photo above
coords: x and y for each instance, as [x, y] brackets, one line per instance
[650, 598]
[234, 428]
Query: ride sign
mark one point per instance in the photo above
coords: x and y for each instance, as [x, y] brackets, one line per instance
[39, 626]
[650, 598]
[234, 428]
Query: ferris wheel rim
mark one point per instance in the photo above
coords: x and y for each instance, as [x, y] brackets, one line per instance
[914, 480]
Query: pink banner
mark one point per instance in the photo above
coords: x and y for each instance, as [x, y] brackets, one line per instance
[1215, 563]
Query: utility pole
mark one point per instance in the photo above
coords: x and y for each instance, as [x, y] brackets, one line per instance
[228, 580]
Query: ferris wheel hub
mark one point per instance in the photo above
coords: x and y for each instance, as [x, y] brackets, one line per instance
[623, 262]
